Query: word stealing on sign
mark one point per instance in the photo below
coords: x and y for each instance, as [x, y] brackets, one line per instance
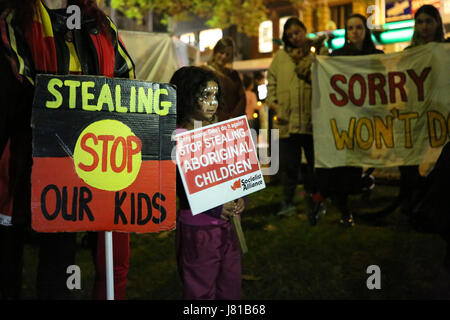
[141, 99]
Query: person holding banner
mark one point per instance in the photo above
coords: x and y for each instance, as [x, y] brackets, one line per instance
[38, 38]
[208, 254]
[340, 182]
[290, 96]
[430, 203]
[428, 27]
[234, 98]
[425, 199]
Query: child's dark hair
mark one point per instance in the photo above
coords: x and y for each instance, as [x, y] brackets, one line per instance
[190, 82]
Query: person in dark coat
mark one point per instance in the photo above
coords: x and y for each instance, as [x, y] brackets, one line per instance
[35, 38]
[234, 99]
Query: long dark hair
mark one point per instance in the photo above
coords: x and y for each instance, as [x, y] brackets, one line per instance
[25, 9]
[368, 45]
[190, 82]
[289, 23]
[433, 12]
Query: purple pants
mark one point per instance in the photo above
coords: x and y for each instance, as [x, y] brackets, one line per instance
[209, 262]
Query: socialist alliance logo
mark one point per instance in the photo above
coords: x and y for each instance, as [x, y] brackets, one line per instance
[236, 185]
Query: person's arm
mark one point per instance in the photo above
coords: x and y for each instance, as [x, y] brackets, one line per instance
[7, 83]
[272, 99]
[239, 108]
[124, 65]
[254, 100]
[232, 208]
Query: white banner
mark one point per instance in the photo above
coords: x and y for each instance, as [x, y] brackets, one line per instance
[381, 110]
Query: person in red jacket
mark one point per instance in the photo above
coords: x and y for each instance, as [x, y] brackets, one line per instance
[36, 38]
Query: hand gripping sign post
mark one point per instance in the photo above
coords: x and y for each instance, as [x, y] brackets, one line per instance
[218, 164]
[102, 157]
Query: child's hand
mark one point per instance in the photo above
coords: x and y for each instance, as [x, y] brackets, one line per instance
[232, 208]
[227, 210]
[240, 206]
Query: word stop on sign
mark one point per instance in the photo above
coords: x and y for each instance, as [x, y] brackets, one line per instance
[108, 161]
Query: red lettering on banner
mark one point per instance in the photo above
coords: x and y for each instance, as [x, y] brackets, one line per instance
[375, 83]
[377, 87]
[396, 85]
[333, 80]
[351, 92]
[419, 80]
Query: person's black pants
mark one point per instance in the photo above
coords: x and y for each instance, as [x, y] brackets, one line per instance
[56, 253]
[410, 180]
[290, 164]
[12, 239]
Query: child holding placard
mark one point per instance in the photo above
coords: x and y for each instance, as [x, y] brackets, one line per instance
[208, 254]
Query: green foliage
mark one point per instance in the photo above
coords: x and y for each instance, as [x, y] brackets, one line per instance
[245, 14]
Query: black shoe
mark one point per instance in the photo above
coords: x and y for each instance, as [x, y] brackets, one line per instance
[318, 210]
[347, 221]
[312, 218]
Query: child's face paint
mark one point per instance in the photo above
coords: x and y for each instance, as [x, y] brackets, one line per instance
[208, 100]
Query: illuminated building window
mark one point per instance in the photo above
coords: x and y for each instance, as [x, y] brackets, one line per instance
[340, 13]
[208, 38]
[265, 37]
[188, 38]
